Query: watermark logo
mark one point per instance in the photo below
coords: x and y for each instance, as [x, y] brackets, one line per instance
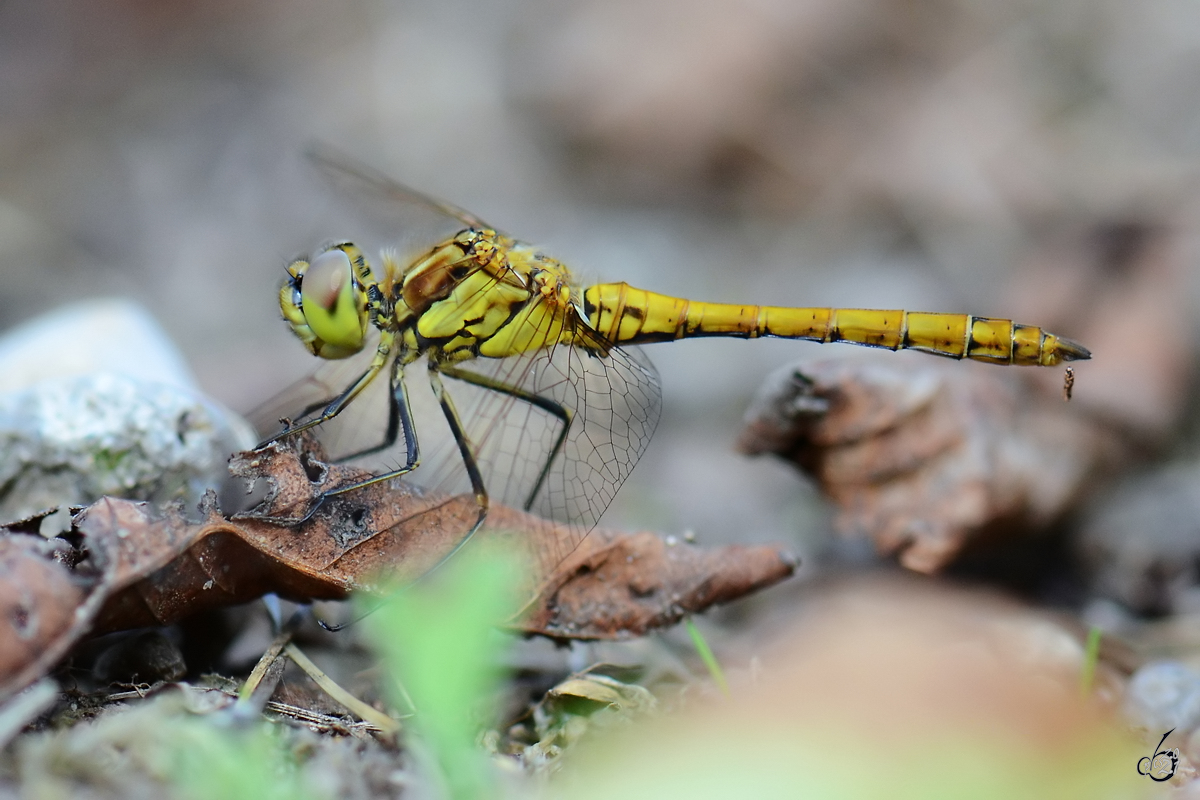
[1162, 765]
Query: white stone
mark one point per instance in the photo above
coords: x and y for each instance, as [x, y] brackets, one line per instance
[108, 335]
[96, 401]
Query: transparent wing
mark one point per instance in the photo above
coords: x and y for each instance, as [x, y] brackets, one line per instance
[613, 402]
[356, 179]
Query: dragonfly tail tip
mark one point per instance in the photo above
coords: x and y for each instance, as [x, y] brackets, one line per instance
[1072, 351]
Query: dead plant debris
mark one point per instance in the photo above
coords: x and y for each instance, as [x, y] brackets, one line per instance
[124, 565]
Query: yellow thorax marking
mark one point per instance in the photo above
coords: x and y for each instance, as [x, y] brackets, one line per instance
[502, 297]
[543, 321]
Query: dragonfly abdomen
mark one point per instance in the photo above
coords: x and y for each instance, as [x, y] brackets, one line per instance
[627, 315]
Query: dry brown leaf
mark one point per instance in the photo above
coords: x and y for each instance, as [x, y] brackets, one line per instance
[925, 460]
[124, 565]
[618, 585]
[52, 591]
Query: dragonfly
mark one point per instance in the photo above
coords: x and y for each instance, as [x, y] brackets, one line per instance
[564, 402]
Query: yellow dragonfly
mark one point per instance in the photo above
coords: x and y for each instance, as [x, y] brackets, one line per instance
[563, 407]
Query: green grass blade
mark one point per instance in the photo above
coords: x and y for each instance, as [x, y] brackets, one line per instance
[706, 655]
[1091, 657]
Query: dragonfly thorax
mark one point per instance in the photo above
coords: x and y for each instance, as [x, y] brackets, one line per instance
[438, 274]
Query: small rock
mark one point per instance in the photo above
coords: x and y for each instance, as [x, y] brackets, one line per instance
[1141, 544]
[1164, 695]
[134, 426]
[108, 335]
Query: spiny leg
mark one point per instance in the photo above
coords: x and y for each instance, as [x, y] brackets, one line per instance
[310, 408]
[335, 407]
[412, 459]
[389, 438]
[564, 414]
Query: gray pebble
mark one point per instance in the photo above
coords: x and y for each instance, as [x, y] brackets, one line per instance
[135, 426]
[1163, 695]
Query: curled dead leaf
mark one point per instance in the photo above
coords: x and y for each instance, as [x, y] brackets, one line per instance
[926, 460]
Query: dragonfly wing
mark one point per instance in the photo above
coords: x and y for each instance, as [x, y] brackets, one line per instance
[355, 179]
[613, 402]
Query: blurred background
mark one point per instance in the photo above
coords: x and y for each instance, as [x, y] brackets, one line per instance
[922, 154]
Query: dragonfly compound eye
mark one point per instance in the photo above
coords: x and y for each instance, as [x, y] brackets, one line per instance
[334, 305]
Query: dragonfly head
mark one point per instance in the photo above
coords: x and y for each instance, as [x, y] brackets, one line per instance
[325, 303]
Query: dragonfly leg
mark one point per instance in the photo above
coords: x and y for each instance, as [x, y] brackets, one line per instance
[464, 448]
[403, 415]
[564, 414]
[335, 407]
[397, 405]
[339, 403]
[389, 438]
[310, 408]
